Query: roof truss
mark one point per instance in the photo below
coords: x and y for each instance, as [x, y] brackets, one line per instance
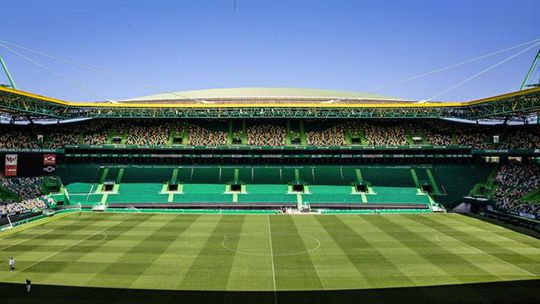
[26, 104]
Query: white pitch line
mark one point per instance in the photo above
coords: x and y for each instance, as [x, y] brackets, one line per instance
[272, 259]
[55, 253]
[31, 238]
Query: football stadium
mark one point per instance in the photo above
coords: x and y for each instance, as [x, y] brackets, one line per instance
[270, 195]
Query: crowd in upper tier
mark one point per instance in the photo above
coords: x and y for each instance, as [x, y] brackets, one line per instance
[333, 136]
[17, 139]
[140, 135]
[385, 135]
[339, 133]
[515, 180]
[523, 139]
[199, 136]
[29, 192]
[266, 135]
[437, 134]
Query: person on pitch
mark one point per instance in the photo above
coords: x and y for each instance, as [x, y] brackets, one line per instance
[11, 264]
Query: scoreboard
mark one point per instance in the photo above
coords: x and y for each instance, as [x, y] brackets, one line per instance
[23, 164]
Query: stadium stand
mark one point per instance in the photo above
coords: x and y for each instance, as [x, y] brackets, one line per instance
[330, 136]
[340, 133]
[526, 138]
[400, 155]
[514, 181]
[17, 139]
[266, 135]
[385, 134]
[152, 135]
[25, 187]
[270, 186]
[23, 195]
[27, 205]
[200, 136]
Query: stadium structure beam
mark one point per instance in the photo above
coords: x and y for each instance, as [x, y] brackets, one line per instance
[8, 74]
[535, 64]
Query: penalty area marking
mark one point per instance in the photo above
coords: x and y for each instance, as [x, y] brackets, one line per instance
[24, 240]
[103, 238]
[102, 232]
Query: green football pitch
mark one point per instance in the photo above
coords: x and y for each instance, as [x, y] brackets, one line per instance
[266, 253]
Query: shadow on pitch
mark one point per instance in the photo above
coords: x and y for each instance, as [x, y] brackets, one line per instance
[498, 292]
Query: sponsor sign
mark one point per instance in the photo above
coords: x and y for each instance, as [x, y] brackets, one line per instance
[49, 159]
[49, 169]
[49, 163]
[10, 168]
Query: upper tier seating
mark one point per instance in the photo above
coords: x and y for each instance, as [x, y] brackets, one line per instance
[323, 133]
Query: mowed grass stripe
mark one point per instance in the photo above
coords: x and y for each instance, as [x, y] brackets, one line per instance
[252, 266]
[495, 231]
[113, 227]
[36, 226]
[41, 232]
[333, 267]
[88, 260]
[212, 267]
[55, 240]
[527, 264]
[23, 234]
[138, 258]
[168, 234]
[169, 267]
[497, 268]
[370, 263]
[454, 265]
[294, 269]
[45, 265]
[515, 242]
[402, 250]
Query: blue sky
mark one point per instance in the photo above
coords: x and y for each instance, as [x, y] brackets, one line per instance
[339, 44]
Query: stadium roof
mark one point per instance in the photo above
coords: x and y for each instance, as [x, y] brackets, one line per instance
[264, 95]
[23, 105]
[261, 92]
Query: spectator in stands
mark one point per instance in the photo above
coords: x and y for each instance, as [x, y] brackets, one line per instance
[377, 133]
[12, 208]
[152, 135]
[25, 187]
[515, 180]
[30, 192]
[199, 136]
[334, 136]
[522, 139]
[18, 139]
[385, 134]
[266, 135]
[434, 133]
[60, 136]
